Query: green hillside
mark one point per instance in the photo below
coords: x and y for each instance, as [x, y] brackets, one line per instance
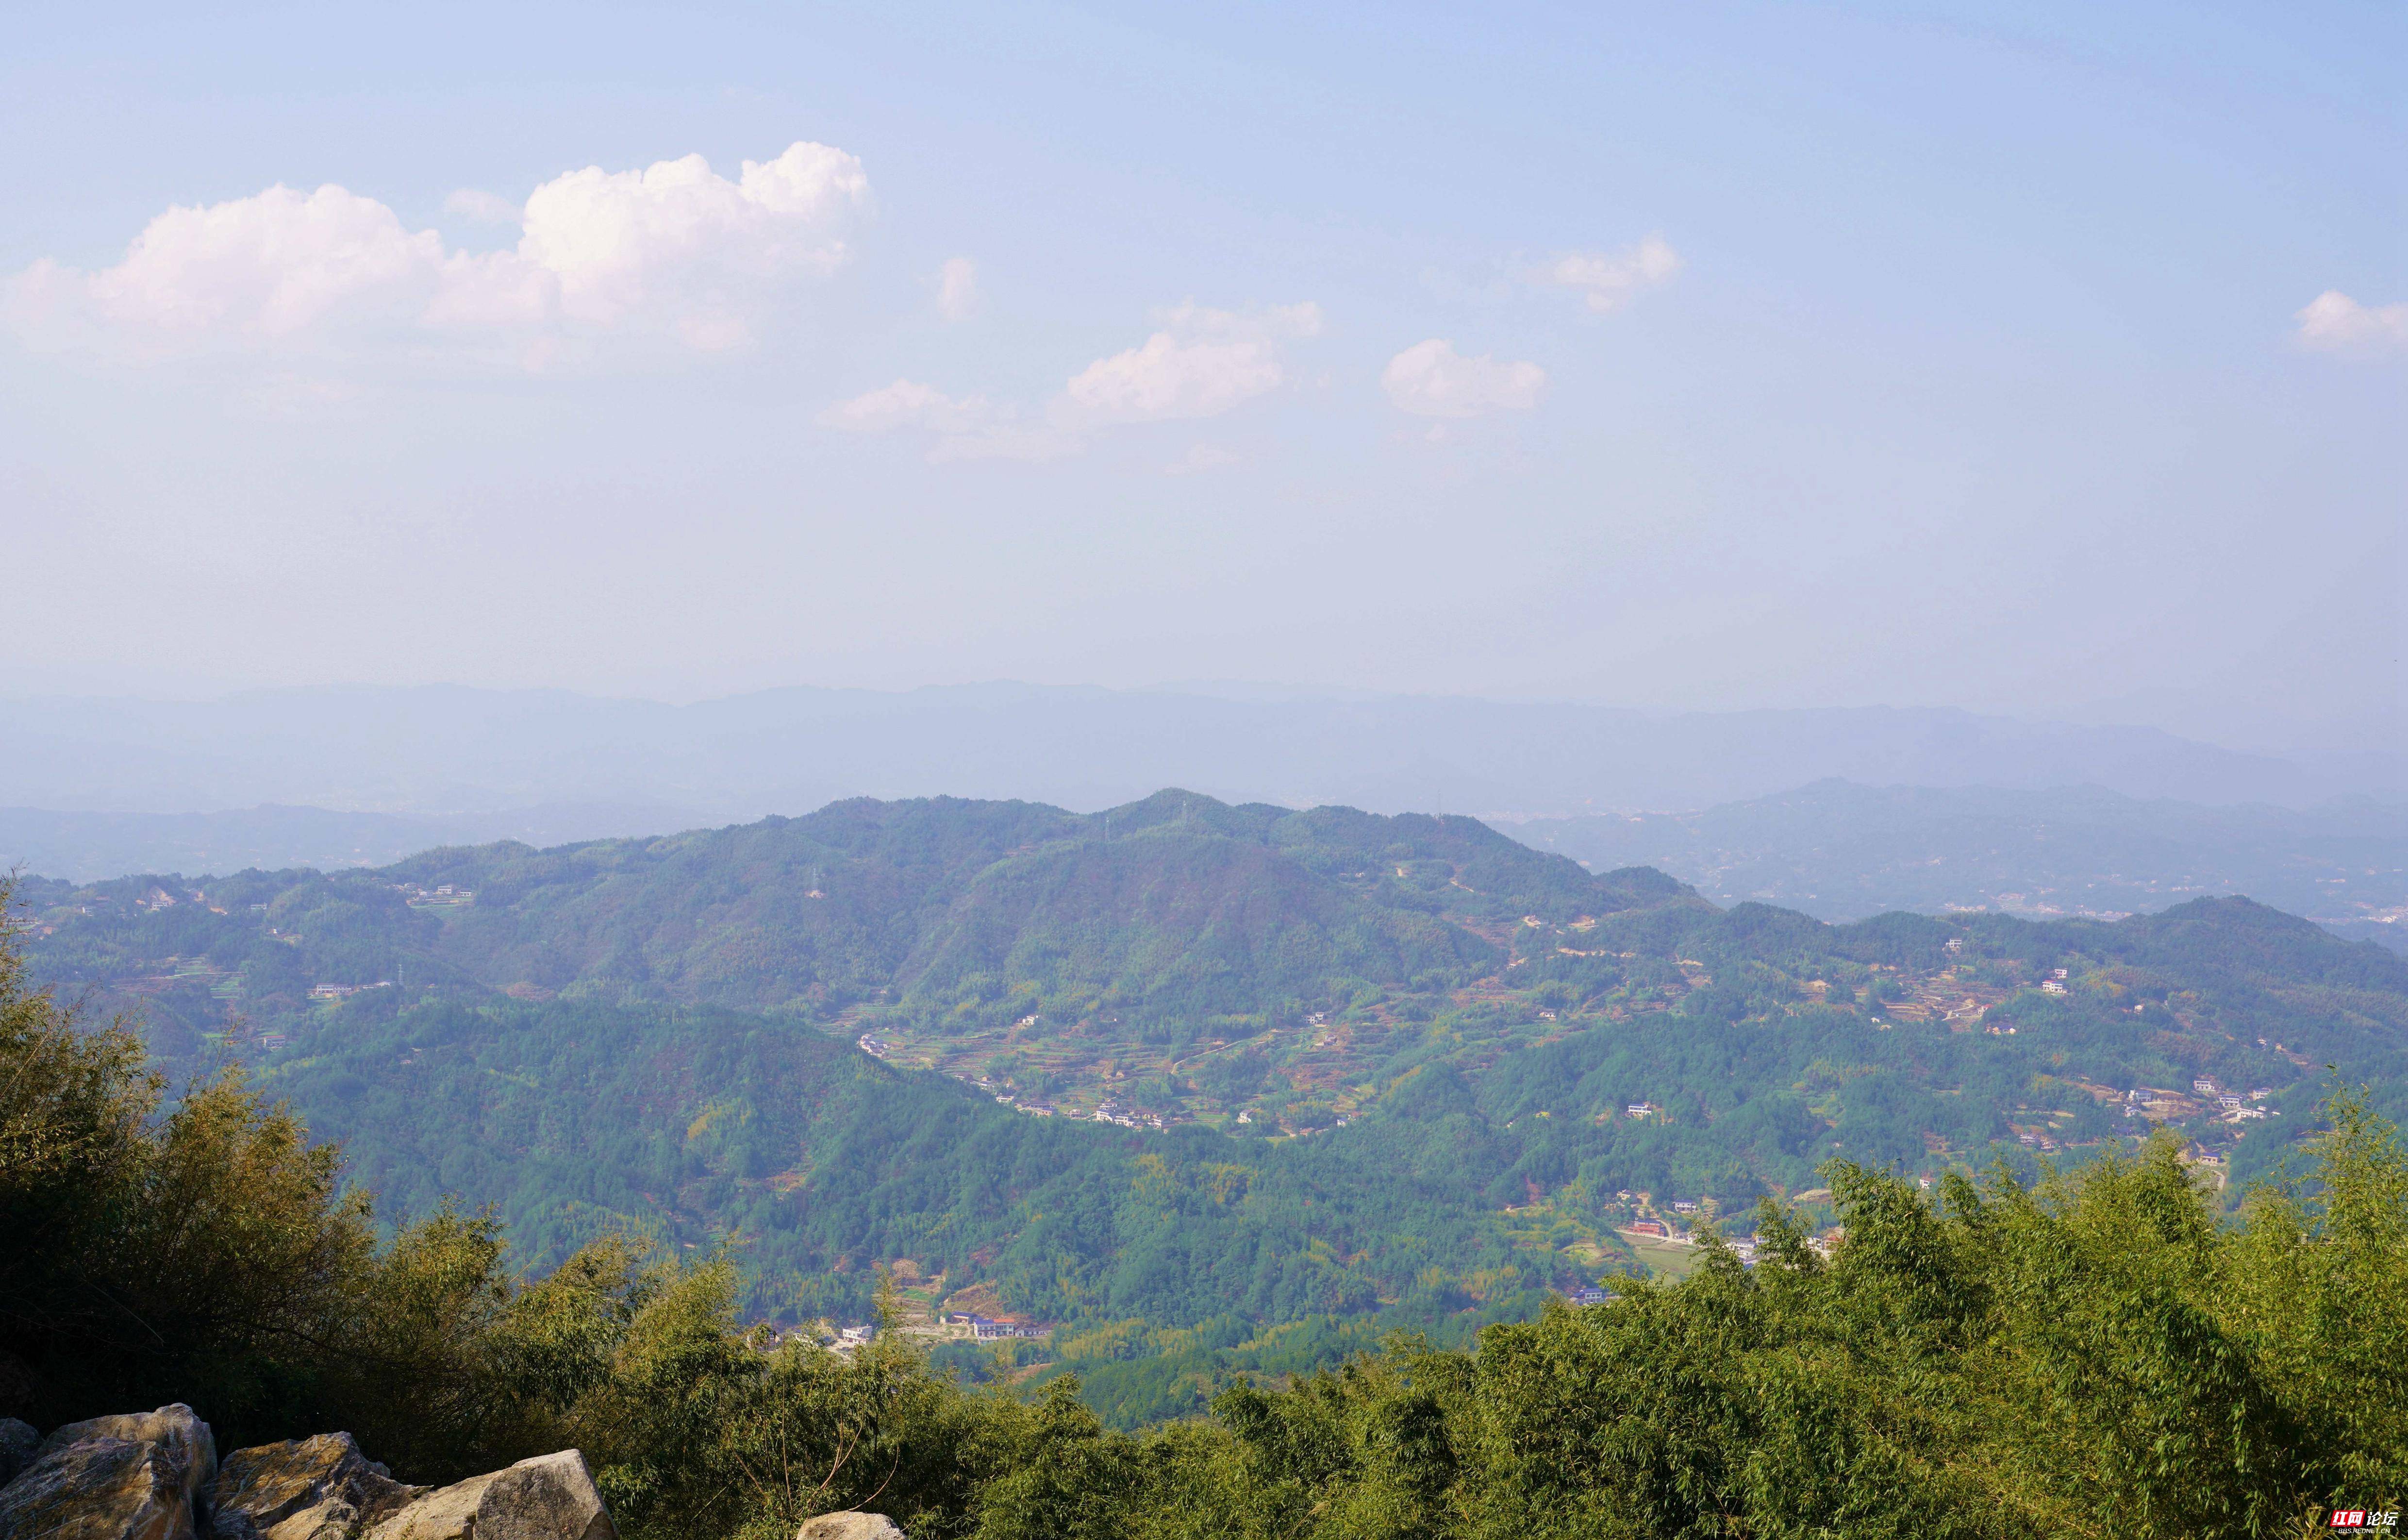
[1150, 928]
[1323, 1069]
[816, 1163]
[2099, 1353]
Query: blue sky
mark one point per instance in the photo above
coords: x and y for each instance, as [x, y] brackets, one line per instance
[1705, 355]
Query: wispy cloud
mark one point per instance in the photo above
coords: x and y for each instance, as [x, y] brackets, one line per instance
[958, 289]
[908, 404]
[1432, 380]
[967, 427]
[1608, 279]
[1198, 363]
[1200, 458]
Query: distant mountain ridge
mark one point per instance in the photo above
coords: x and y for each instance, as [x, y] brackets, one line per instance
[442, 751]
[1174, 906]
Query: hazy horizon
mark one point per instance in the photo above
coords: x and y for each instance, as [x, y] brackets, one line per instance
[2047, 365]
[2379, 763]
[447, 750]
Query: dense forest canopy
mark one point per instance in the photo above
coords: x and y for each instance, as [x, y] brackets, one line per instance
[1304, 1077]
[1192, 961]
[1309, 1077]
[2105, 1352]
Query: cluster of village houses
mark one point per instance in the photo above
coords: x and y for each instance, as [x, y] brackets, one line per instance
[2166, 1105]
[849, 1339]
[447, 896]
[983, 1329]
[1110, 1112]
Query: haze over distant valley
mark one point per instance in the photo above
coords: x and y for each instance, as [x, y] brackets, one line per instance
[1930, 810]
[446, 751]
[1841, 851]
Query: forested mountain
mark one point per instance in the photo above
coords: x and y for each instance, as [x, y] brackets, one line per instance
[1165, 913]
[817, 1162]
[2101, 1353]
[1301, 1067]
[1841, 851]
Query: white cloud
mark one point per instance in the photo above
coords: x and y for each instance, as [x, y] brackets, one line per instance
[1432, 380]
[1606, 280]
[2335, 323]
[1200, 363]
[484, 207]
[958, 291]
[618, 243]
[1200, 458]
[674, 249]
[908, 404]
[264, 266]
[967, 427]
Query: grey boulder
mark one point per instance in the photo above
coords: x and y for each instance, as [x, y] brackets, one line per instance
[551, 1497]
[849, 1526]
[173, 1427]
[127, 1478]
[307, 1488]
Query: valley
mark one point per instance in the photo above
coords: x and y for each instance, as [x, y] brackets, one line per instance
[1189, 1087]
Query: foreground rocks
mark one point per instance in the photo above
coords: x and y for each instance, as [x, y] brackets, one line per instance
[849, 1526]
[311, 1488]
[137, 1477]
[551, 1497]
[155, 1475]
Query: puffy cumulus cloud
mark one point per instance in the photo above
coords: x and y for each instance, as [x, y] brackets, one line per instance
[1432, 380]
[2335, 323]
[264, 266]
[674, 249]
[1608, 278]
[1200, 363]
[958, 291]
[603, 246]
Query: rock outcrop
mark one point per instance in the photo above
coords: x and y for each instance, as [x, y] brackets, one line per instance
[551, 1497]
[849, 1526]
[310, 1489]
[155, 1475]
[134, 1476]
